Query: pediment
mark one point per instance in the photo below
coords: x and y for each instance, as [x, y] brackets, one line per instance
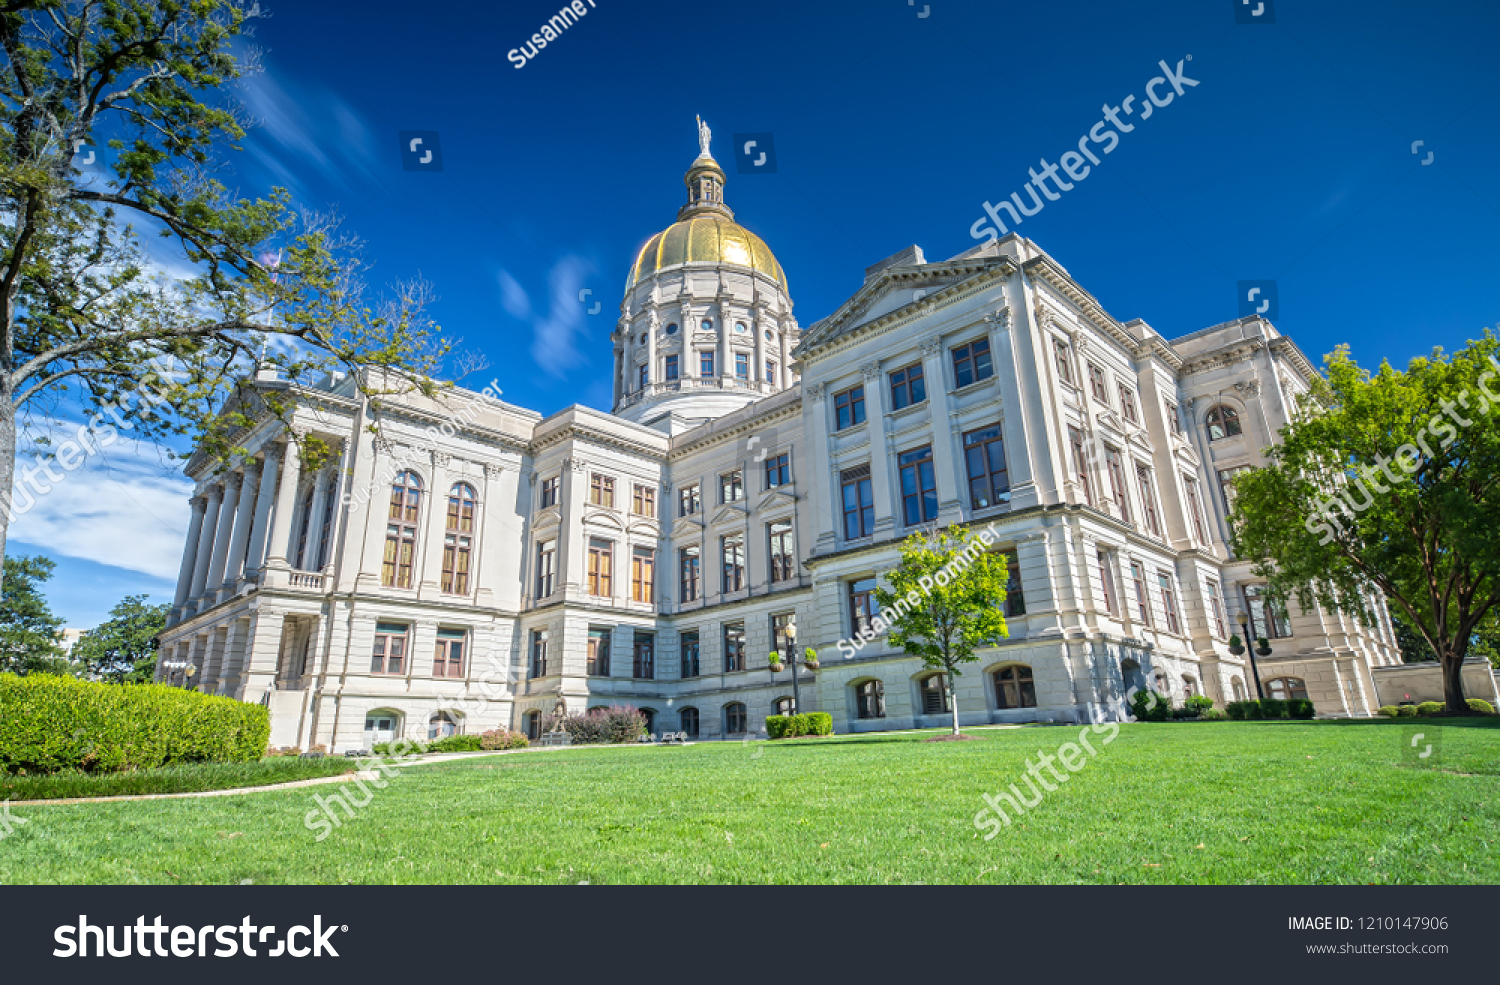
[548, 517]
[644, 527]
[1111, 420]
[688, 527]
[1139, 439]
[731, 513]
[777, 496]
[602, 518]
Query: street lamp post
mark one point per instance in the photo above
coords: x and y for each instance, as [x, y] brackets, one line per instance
[1250, 652]
[791, 662]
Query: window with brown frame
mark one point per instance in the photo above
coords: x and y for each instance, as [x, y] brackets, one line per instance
[602, 491]
[1107, 582]
[601, 568]
[778, 470]
[687, 722]
[598, 655]
[736, 719]
[780, 622]
[1286, 689]
[1168, 601]
[549, 492]
[401, 535]
[1081, 463]
[919, 501]
[689, 564]
[1190, 488]
[449, 659]
[643, 667]
[1127, 404]
[783, 551]
[859, 502]
[1174, 423]
[1116, 472]
[389, 655]
[732, 553]
[1097, 385]
[1015, 687]
[971, 363]
[1015, 598]
[642, 574]
[1215, 607]
[546, 567]
[1062, 356]
[539, 639]
[861, 605]
[984, 459]
[732, 486]
[1222, 422]
[643, 501]
[849, 408]
[870, 699]
[1148, 499]
[908, 386]
[734, 647]
[689, 646]
[689, 500]
[458, 542]
[1268, 618]
[935, 700]
[1142, 600]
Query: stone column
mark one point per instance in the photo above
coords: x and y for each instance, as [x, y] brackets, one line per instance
[825, 534]
[572, 540]
[222, 534]
[725, 369]
[205, 544]
[885, 470]
[431, 529]
[255, 551]
[758, 370]
[627, 381]
[944, 460]
[262, 654]
[189, 556]
[651, 370]
[784, 333]
[243, 518]
[286, 505]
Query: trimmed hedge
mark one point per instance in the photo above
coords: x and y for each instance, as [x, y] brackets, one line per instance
[1480, 705]
[1389, 711]
[1274, 708]
[50, 723]
[791, 726]
[1299, 708]
[1406, 711]
[1431, 708]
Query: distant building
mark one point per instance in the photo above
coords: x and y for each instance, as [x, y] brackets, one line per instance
[70, 638]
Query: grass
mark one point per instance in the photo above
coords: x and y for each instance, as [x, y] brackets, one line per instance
[1221, 802]
[169, 779]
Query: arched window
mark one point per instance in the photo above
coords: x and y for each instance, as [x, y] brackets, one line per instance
[935, 700]
[1223, 422]
[533, 725]
[330, 510]
[458, 541]
[735, 719]
[441, 725]
[1237, 686]
[1015, 687]
[688, 721]
[786, 706]
[870, 699]
[1287, 688]
[1189, 686]
[401, 533]
[380, 726]
[650, 714]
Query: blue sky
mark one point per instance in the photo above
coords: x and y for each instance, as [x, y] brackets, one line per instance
[1291, 160]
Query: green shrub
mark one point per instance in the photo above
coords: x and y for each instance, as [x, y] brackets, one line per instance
[1214, 715]
[1185, 713]
[1389, 711]
[776, 726]
[50, 723]
[1406, 711]
[1300, 708]
[1238, 710]
[1273, 708]
[1431, 708]
[456, 743]
[819, 723]
[1199, 702]
[1481, 706]
[400, 748]
[503, 739]
[1149, 706]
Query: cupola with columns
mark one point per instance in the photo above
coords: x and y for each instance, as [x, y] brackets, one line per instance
[706, 325]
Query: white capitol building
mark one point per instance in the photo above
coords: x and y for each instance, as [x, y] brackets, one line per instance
[476, 560]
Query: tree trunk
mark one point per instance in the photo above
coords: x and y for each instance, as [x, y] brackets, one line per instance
[1453, 685]
[7, 471]
[953, 701]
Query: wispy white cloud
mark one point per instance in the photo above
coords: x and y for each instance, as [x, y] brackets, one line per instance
[557, 337]
[307, 131]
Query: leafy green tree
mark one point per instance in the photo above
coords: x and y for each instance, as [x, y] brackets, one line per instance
[120, 112]
[1388, 482]
[944, 600]
[29, 632]
[123, 649]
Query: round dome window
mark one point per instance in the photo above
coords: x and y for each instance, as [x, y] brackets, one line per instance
[739, 326]
[707, 324]
[770, 337]
[672, 329]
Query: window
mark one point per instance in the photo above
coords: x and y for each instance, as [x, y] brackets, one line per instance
[849, 408]
[602, 491]
[533, 725]
[598, 655]
[458, 542]
[908, 387]
[732, 486]
[1168, 601]
[1097, 386]
[1226, 484]
[742, 365]
[688, 644]
[778, 470]
[379, 727]
[785, 706]
[1080, 463]
[549, 492]
[1287, 689]
[1148, 499]
[918, 487]
[307, 511]
[389, 655]
[1117, 481]
[689, 564]
[539, 652]
[644, 377]
[1239, 688]
[1223, 422]
[1107, 582]
[1142, 600]
[672, 329]
[984, 455]
[687, 721]
[1195, 513]
[672, 371]
[971, 363]
[1267, 618]
[779, 624]
[935, 695]
[401, 534]
[736, 720]
[859, 502]
[1189, 686]
[1215, 607]
[642, 574]
[782, 550]
[706, 365]
[1015, 687]
[601, 568]
[449, 659]
[643, 667]
[1127, 404]
[546, 567]
[643, 501]
[1015, 598]
[441, 725]
[1174, 423]
[734, 647]
[325, 535]
[733, 555]
[861, 605]
[770, 371]
[869, 699]
[689, 500]
[1061, 357]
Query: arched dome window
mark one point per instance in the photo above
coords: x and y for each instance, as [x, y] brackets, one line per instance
[1223, 422]
[672, 329]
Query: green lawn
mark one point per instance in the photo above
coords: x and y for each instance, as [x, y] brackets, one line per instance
[170, 779]
[1232, 802]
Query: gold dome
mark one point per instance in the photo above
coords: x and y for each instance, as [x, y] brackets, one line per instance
[705, 238]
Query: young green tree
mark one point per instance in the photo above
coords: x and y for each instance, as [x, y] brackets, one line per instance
[29, 632]
[944, 600]
[119, 113]
[1387, 481]
[123, 649]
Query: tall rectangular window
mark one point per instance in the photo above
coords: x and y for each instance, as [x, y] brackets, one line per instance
[688, 644]
[642, 574]
[1195, 512]
[539, 639]
[779, 624]
[918, 487]
[778, 470]
[1168, 601]
[602, 491]
[859, 502]
[689, 563]
[770, 371]
[782, 551]
[546, 567]
[643, 667]
[1015, 597]
[400, 555]
[861, 605]
[598, 658]
[706, 365]
[689, 500]
[907, 386]
[643, 377]
[1097, 384]
[1215, 607]
[643, 501]
[1174, 423]
[449, 659]
[389, 655]
[1148, 499]
[742, 365]
[601, 568]
[1117, 481]
[1267, 618]
[734, 647]
[984, 457]
[457, 552]
[1081, 463]
[732, 486]
[1142, 600]
[549, 492]
[1127, 404]
[734, 562]
[849, 408]
[971, 363]
[672, 370]
[1226, 485]
[1107, 582]
[1063, 360]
